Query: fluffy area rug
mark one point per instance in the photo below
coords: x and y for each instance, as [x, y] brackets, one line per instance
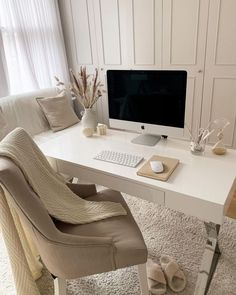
[165, 232]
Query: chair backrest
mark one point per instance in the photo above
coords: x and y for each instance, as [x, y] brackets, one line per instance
[58, 250]
[50, 242]
[26, 202]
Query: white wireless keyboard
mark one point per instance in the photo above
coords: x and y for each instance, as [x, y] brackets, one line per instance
[119, 158]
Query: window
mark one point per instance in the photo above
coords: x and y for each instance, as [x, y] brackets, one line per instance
[32, 44]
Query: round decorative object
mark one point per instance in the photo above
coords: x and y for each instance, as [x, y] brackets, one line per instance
[219, 151]
[89, 119]
[219, 148]
[88, 132]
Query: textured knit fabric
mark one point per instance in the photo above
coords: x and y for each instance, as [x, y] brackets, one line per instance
[58, 199]
[24, 281]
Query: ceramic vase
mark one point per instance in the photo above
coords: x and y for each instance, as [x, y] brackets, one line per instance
[89, 119]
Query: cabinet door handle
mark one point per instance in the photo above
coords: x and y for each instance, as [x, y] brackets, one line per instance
[200, 71]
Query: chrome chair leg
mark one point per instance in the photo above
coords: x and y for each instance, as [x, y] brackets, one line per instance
[142, 272]
[59, 286]
[209, 260]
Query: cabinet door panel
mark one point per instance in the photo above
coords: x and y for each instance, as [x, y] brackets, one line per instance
[226, 39]
[219, 93]
[82, 31]
[223, 104]
[78, 27]
[144, 26]
[110, 31]
[184, 31]
[184, 38]
[147, 33]
[114, 42]
[68, 32]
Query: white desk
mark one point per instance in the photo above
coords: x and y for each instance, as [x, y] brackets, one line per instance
[201, 186]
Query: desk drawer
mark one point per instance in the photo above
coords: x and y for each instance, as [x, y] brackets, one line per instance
[112, 181]
[144, 192]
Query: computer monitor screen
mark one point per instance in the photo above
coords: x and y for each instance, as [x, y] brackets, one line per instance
[150, 100]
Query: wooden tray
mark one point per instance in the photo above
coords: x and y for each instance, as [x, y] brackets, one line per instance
[169, 166]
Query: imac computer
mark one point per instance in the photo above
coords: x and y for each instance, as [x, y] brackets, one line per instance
[151, 102]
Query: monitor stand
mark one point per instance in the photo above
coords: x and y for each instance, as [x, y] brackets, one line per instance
[146, 139]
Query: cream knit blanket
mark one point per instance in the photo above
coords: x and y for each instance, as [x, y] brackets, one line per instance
[58, 199]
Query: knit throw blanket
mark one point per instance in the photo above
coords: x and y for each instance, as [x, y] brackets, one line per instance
[59, 200]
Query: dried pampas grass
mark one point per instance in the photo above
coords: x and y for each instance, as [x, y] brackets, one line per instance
[86, 88]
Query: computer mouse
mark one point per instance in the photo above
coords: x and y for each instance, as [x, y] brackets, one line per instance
[157, 166]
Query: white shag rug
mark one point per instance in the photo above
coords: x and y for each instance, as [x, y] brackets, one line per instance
[165, 232]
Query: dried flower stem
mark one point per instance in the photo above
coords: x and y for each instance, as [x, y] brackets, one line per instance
[86, 90]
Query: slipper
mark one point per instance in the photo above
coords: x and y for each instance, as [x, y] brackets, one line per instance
[156, 278]
[175, 276]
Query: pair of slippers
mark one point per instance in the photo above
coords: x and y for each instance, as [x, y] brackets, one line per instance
[166, 273]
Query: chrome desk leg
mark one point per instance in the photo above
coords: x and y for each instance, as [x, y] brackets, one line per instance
[209, 260]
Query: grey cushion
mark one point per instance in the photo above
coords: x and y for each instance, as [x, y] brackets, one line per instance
[58, 111]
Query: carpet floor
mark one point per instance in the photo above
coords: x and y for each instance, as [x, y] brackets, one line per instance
[165, 232]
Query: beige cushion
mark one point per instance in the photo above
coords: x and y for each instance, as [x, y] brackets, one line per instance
[126, 236]
[58, 111]
[22, 110]
[3, 125]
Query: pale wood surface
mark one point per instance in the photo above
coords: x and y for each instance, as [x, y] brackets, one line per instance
[169, 165]
[232, 208]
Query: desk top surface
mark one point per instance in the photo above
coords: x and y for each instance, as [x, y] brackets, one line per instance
[207, 177]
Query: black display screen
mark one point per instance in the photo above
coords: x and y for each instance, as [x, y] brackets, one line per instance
[152, 97]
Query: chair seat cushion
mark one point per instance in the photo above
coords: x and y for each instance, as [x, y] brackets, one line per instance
[127, 238]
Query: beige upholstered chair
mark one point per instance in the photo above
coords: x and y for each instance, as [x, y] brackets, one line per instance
[73, 251]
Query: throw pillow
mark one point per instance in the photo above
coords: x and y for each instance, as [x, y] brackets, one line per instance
[3, 125]
[58, 111]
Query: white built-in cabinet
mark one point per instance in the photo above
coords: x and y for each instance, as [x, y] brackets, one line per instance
[219, 92]
[193, 35]
[184, 41]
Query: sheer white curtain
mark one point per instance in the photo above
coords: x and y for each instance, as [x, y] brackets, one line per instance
[4, 90]
[33, 44]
